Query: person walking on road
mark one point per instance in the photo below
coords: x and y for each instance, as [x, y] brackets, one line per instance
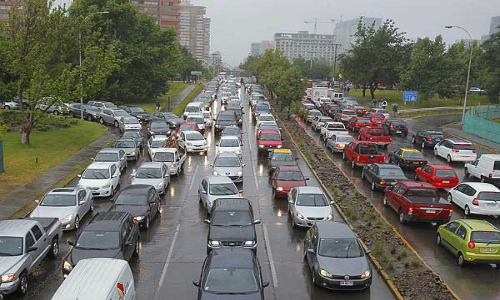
[158, 106]
[395, 110]
[374, 102]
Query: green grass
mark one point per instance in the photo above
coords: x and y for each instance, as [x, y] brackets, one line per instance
[175, 89]
[429, 113]
[51, 148]
[392, 96]
[180, 108]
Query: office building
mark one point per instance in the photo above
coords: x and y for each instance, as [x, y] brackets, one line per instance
[306, 45]
[345, 31]
[5, 8]
[260, 48]
[195, 30]
[495, 25]
[166, 13]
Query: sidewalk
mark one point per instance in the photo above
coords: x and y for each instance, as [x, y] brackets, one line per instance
[431, 108]
[455, 130]
[178, 99]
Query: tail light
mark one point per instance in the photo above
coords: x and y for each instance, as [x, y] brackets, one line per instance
[475, 202]
[337, 145]
[392, 125]
[410, 211]
[471, 245]
[382, 182]
[455, 150]
[429, 139]
[490, 175]
[451, 210]
[474, 151]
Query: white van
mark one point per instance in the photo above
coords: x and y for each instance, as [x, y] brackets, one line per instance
[98, 279]
[487, 167]
[193, 108]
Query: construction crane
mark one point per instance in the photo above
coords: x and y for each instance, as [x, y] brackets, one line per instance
[316, 22]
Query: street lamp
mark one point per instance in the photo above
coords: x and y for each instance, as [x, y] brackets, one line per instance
[80, 45]
[468, 71]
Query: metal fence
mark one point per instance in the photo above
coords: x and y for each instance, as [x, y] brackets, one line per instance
[480, 121]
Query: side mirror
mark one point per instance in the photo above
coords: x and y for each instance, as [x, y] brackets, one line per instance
[81, 202]
[332, 202]
[308, 179]
[114, 175]
[265, 284]
[31, 249]
[211, 165]
[243, 165]
[37, 201]
[204, 192]
[290, 201]
[128, 244]
[70, 242]
[257, 221]
[310, 251]
[123, 158]
[79, 175]
[196, 283]
[207, 221]
[240, 191]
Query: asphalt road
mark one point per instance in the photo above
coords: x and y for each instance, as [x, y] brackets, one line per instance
[471, 282]
[173, 249]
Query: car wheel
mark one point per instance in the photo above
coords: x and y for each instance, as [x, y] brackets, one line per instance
[402, 219]
[435, 153]
[373, 186]
[466, 173]
[116, 124]
[304, 252]
[92, 206]
[136, 249]
[384, 201]
[56, 112]
[101, 120]
[6, 107]
[313, 274]
[353, 165]
[146, 225]
[423, 145]
[54, 249]
[461, 260]
[23, 284]
[89, 118]
[450, 198]
[467, 210]
[77, 222]
[438, 239]
[158, 210]
[483, 179]
[448, 158]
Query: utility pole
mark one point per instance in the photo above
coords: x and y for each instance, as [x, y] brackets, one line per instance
[335, 61]
[213, 63]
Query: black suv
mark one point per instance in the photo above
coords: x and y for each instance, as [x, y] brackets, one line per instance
[225, 119]
[137, 112]
[232, 224]
[395, 126]
[427, 138]
[110, 234]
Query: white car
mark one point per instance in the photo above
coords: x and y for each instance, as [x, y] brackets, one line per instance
[230, 144]
[265, 117]
[193, 108]
[156, 174]
[199, 119]
[129, 123]
[455, 150]
[385, 112]
[476, 198]
[332, 128]
[337, 142]
[101, 178]
[207, 116]
[156, 143]
[215, 187]
[487, 167]
[193, 141]
[318, 121]
[308, 205]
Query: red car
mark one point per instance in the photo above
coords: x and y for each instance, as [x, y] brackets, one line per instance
[418, 201]
[187, 126]
[376, 118]
[440, 176]
[357, 123]
[360, 110]
[285, 178]
[269, 139]
[374, 134]
[362, 153]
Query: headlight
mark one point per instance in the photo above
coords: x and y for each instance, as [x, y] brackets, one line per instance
[189, 144]
[217, 125]
[152, 132]
[279, 146]
[261, 146]
[67, 218]
[133, 153]
[300, 216]
[240, 173]
[106, 186]
[279, 189]
[366, 274]
[8, 277]
[216, 173]
[330, 217]
[249, 243]
[324, 273]
[160, 184]
[66, 266]
[139, 218]
[214, 243]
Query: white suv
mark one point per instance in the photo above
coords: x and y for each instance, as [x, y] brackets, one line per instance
[455, 150]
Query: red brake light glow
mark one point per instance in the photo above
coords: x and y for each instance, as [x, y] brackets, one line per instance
[475, 202]
[455, 150]
[429, 138]
[471, 245]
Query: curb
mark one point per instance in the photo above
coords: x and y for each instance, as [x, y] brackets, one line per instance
[475, 144]
[380, 269]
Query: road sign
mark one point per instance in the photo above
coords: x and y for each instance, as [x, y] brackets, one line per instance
[196, 73]
[410, 96]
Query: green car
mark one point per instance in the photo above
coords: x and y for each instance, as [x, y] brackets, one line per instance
[471, 241]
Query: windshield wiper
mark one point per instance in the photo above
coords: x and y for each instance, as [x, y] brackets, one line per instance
[91, 248]
[492, 242]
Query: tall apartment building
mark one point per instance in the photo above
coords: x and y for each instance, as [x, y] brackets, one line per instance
[345, 30]
[306, 45]
[195, 30]
[167, 13]
[259, 48]
[495, 25]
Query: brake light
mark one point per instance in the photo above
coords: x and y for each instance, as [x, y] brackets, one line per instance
[490, 175]
[451, 210]
[429, 139]
[392, 125]
[471, 245]
[474, 151]
[382, 182]
[455, 150]
[475, 202]
[337, 145]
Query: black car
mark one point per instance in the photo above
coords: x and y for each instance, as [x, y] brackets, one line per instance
[336, 258]
[225, 119]
[172, 119]
[382, 175]
[238, 113]
[232, 224]
[90, 113]
[231, 273]
[427, 138]
[158, 127]
[395, 126]
[407, 158]
[140, 200]
[111, 234]
[280, 157]
[137, 112]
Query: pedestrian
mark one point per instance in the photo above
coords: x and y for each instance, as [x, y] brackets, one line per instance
[395, 110]
[158, 106]
[374, 102]
[348, 90]
[384, 104]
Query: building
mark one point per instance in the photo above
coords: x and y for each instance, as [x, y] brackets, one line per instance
[195, 30]
[5, 7]
[495, 25]
[345, 31]
[257, 49]
[306, 45]
[468, 42]
[167, 13]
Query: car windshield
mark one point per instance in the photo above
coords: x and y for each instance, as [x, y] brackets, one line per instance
[131, 134]
[391, 172]
[159, 126]
[416, 192]
[131, 199]
[192, 109]
[231, 218]
[224, 117]
[367, 149]
[120, 113]
[158, 144]
[446, 173]
[106, 157]
[270, 137]
[488, 237]
[463, 147]
[264, 108]
[125, 144]
[231, 281]
[227, 162]
[312, 200]
[413, 155]
[266, 118]
[229, 143]
[148, 173]
[98, 240]
[96, 174]
[229, 130]
[109, 104]
[223, 189]
[11, 246]
[194, 137]
[492, 196]
[187, 127]
[290, 176]
[197, 120]
[58, 200]
[340, 248]
[130, 121]
[283, 157]
[345, 139]
[164, 157]
[136, 109]
[336, 126]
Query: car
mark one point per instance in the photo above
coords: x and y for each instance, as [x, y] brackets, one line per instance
[385, 112]
[13, 104]
[139, 200]
[111, 116]
[265, 117]
[330, 128]
[285, 178]
[417, 202]
[318, 121]
[102, 104]
[311, 114]
[53, 106]
[225, 119]
[395, 126]
[407, 158]
[344, 115]
[229, 144]
[374, 134]
[232, 131]
[192, 141]
[130, 146]
[264, 126]
[137, 112]
[228, 164]
[335, 257]
[376, 118]
[337, 142]
[476, 198]
[362, 153]
[268, 140]
[207, 117]
[172, 119]
[134, 134]
[261, 108]
[90, 113]
[118, 156]
[213, 187]
[356, 123]
[199, 119]
[158, 127]
[110, 234]
[476, 90]
[280, 157]
[101, 178]
[231, 271]
[155, 174]
[155, 143]
[225, 215]
[193, 108]
[380, 176]
[427, 138]
[172, 157]
[187, 126]
[308, 205]
[129, 123]
[440, 176]
[360, 110]
[485, 168]
[455, 150]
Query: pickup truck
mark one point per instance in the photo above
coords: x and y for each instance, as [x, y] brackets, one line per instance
[23, 245]
[418, 201]
[362, 153]
[331, 128]
[173, 158]
[374, 134]
[356, 123]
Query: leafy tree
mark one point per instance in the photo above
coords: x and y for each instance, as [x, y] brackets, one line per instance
[189, 63]
[250, 66]
[291, 86]
[271, 67]
[314, 69]
[491, 63]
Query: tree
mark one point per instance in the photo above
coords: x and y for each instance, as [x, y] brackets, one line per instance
[189, 63]
[250, 66]
[491, 63]
[314, 68]
[271, 66]
[291, 86]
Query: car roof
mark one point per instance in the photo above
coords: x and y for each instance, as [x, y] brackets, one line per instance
[66, 190]
[232, 257]
[387, 166]
[478, 225]
[270, 131]
[159, 137]
[227, 154]
[100, 165]
[232, 204]
[483, 186]
[458, 141]
[289, 168]
[334, 230]
[151, 164]
[110, 150]
[107, 220]
[417, 184]
[492, 156]
[229, 137]
[218, 179]
[309, 190]
[440, 167]
[16, 227]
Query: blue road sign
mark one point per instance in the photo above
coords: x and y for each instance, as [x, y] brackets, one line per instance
[410, 96]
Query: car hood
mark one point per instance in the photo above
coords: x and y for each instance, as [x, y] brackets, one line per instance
[209, 296]
[134, 210]
[269, 143]
[229, 149]
[142, 114]
[53, 211]
[344, 266]
[78, 254]
[197, 143]
[314, 211]
[8, 263]
[127, 150]
[93, 182]
[287, 185]
[151, 181]
[228, 171]
[232, 233]
[275, 163]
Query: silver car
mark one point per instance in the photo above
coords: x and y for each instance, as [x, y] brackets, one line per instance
[112, 116]
[307, 205]
[117, 156]
[131, 147]
[153, 173]
[129, 123]
[68, 204]
[337, 142]
[230, 165]
[215, 187]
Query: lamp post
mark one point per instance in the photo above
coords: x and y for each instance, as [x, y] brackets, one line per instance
[80, 45]
[468, 71]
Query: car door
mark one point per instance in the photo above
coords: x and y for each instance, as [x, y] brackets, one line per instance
[445, 149]
[83, 204]
[291, 201]
[106, 116]
[123, 159]
[458, 194]
[469, 194]
[115, 175]
[474, 170]
[165, 175]
[29, 242]
[40, 244]
[396, 156]
[392, 196]
[127, 240]
[203, 192]
[447, 234]
[425, 174]
[155, 200]
[181, 140]
[371, 173]
[458, 240]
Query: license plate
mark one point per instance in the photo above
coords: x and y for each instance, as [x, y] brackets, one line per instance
[446, 181]
[488, 249]
[430, 211]
[416, 163]
[492, 204]
[399, 131]
[346, 283]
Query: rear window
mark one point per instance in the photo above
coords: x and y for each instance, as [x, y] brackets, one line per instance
[463, 147]
[376, 131]
[416, 192]
[491, 237]
[496, 165]
[336, 126]
[492, 196]
[363, 121]
[446, 173]
[367, 149]
[378, 116]
[349, 112]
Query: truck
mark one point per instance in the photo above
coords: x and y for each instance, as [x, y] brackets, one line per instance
[319, 92]
[362, 153]
[375, 134]
[24, 243]
[417, 201]
[174, 158]
[330, 128]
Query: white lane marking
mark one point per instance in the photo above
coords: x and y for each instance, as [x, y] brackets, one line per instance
[192, 179]
[167, 262]
[270, 256]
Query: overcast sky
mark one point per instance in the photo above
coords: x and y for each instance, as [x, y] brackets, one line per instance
[238, 23]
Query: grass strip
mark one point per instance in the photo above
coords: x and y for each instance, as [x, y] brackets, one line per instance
[175, 88]
[190, 97]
